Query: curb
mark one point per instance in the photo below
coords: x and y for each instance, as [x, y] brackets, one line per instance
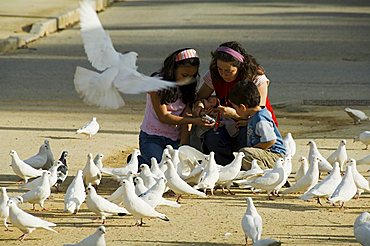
[49, 26]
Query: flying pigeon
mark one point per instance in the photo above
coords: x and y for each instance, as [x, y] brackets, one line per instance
[363, 137]
[356, 115]
[26, 222]
[90, 128]
[118, 71]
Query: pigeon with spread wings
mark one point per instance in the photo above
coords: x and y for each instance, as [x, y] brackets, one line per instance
[118, 71]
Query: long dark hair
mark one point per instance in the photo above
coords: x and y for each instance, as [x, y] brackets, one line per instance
[247, 70]
[167, 72]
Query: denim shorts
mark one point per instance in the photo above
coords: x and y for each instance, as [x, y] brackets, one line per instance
[153, 146]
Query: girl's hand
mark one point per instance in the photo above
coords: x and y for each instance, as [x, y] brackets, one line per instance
[228, 112]
[203, 122]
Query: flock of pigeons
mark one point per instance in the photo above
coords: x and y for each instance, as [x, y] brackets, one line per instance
[184, 171]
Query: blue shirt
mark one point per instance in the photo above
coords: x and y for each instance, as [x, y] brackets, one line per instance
[260, 129]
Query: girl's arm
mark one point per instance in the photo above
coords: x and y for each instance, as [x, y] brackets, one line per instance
[204, 92]
[263, 90]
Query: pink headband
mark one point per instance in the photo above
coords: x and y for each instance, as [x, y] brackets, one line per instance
[231, 52]
[186, 54]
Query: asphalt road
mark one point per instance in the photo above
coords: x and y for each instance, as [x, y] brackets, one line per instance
[311, 50]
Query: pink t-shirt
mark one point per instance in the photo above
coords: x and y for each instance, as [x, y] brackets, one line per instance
[151, 124]
[258, 81]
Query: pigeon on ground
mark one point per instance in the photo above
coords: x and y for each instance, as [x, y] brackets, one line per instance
[75, 194]
[50, 157]
[39, 194]
[255, 170]
[62, 171]
[117, 196]
[140, 188]
[364, 161]
[53, 177]
[154, 196]
[101, 206]
[22, 169]
[118, 71]
[324, 165]
[339, 155]
[178, 185]
[148, 177]
[95, 239]
[4, 209]
[290, 144]
[98, 160]
[361, 229]
[138, 207]
[90, 128]
[269, 180]
[363, 137]
[38, 160]
[154, 168]
[356, 115]
[346, 189]
[360, 181]
[229, 172]
[26, 222]
[302, 168]
[91, 173]
[326, 187]
[252, 222]
[308, 181]
[119, 172]
[209, 176]
[287, 165]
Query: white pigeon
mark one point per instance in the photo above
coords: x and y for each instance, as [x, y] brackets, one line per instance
[148, 177]
[50, 157]
[53, 177]
[339, 155]
[361, 229]
[356, 115]
[364, 161]
[40, 193]
[303, 167]
[229, 172]
[98, 160]
[252, 222]
[190, 153]
[22, 169]
[101, 206]
[324, 165]
[308, 181]
[346, 189]
[95, 239]
[165, 156]
[154, 168]
[209, 176]
[39, 159]
[91, 173]
[140, 188]
[178, 185]
[90, 128]
[290, 144]
[138, 207]
[363, 137]
[269, 180]
[255, 170]
[4, 209]
[26, 222]
[117, 196]
[267, 242]
[119, 71]
[131, 167]
[154, 196]
[287, 165]
[326, 187]
[75, 194]
[360, 181]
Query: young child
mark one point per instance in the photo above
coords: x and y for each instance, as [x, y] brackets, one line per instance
[260, 139]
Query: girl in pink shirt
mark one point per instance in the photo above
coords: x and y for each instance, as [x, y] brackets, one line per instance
[167, 113]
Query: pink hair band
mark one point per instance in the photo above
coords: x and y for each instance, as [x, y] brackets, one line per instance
[186, 54]
[231, 52]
